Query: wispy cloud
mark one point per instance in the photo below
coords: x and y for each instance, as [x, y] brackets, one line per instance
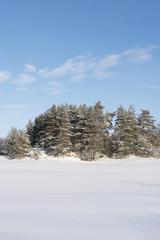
[138, 55]
[24, 79]
[101, 68]
[57, 72]
[56, 92]
[79, 68]
[77, 78]
[22, 89]
[82, 67]
[4, 76]
[54, 83]
[29, 68]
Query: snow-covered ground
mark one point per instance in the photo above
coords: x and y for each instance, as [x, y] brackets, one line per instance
[65, 199]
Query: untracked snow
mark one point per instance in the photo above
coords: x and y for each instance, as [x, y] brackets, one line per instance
[65, 199]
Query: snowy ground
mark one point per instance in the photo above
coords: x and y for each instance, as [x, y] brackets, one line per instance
[68, 199]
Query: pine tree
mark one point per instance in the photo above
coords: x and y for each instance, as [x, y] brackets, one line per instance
[126, 132]
[30, 131]
[92, 136]
[2, 146]
[73, 113]
[63, 138]
[17, 144]
[38, 127]
[80, 133]
[157, 133]
[147, 126]
[145, 146]
[94, 132]
[48, 134]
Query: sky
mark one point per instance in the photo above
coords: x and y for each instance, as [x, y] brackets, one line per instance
[77, 52]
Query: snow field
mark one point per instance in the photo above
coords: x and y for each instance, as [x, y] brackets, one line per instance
[68, 199]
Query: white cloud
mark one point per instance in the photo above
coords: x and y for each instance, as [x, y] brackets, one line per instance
[24, 79]
[56, 92]
[29, 68]
[4, 76]
[77, 78]
[138, 55]
[57, 72]
[73, 67]
[54, 83]
[22, 89]
[87, 66]
[103, 74]
[100, 70]
[108, 61]
[81, 67]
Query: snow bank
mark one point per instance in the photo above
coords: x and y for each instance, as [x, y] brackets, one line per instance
[70, 199]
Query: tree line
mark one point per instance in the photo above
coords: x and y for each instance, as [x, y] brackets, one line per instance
[87, 131]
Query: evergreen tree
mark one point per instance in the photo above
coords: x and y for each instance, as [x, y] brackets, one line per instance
[126, 132]
[157, 133]
[63, 138]
[48, 134]
[38, 127]
[80, 133]
[93, 138]
[30, 131]
[147, 140]
[17, 144]
[2, 146]
[144, 148]
[73, 113]
[147, 126]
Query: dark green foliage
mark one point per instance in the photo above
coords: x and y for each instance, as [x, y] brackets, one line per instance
[86, 131]
[92, 135]
[126, 132]
[63, 137]
[29, 130]
[73, 113]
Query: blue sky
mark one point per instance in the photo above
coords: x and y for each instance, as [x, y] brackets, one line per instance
[76, 52]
